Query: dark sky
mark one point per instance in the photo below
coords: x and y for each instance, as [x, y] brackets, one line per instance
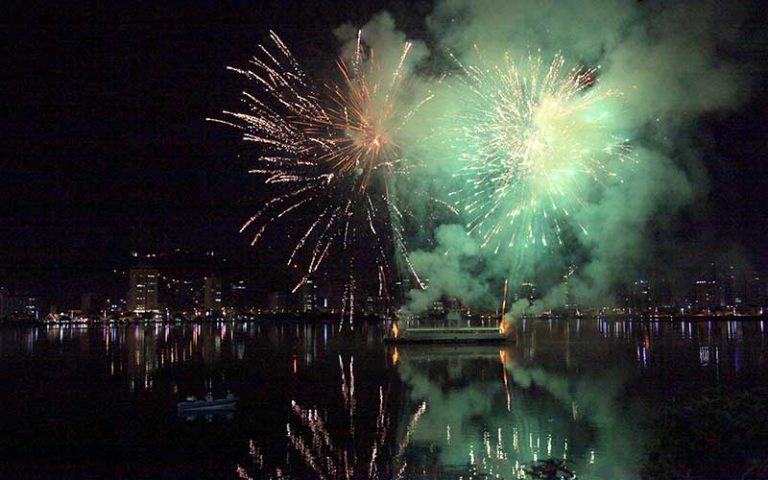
[106, 148]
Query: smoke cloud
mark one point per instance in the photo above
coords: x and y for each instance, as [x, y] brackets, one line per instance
[543, 402]
[669, 63]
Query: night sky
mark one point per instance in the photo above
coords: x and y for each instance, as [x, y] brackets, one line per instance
[106, 148]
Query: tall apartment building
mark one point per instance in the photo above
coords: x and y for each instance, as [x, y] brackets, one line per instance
[308, 296]
[212, 293]
[142, 289]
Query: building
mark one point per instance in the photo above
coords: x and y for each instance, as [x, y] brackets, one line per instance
[729, 281]
[89, 303]
[277, 302]
[527, 290]
[309, 296]
[180, 292]
[23, 307]
[4, 295]
[662, 294]
[142, 289]
[212, 299]
[375, 305]
[707, 295]
[755, 290]
[640, 297]
[240, 298]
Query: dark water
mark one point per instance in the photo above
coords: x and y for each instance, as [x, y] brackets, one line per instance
[100, 401]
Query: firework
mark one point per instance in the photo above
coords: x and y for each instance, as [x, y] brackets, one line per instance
[534, 138]
[331, 447]
[331, 151]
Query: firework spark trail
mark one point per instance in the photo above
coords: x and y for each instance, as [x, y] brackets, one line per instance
[306, 453]
[533, 139]
[348, 301]
[311, 418]
[328, 458]
[320, 446]
[348, 389]
[330, 148]
[242, 473]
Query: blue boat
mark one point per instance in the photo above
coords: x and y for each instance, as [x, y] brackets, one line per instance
[208, 404]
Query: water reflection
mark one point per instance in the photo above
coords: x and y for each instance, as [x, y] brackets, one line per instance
[491, 415]
[137, 352]
[338, 440]
[345, 406]
[561, 392]
[459, 412]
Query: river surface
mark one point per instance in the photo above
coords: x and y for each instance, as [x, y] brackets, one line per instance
[317, 402]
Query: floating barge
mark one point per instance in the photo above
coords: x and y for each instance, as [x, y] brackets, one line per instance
[447, 335]
[204, 406]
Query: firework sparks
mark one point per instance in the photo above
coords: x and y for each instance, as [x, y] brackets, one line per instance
[534, 138]
[332, 150]
[371, 454]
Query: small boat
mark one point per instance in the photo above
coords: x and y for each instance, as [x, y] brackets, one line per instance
[208, 405]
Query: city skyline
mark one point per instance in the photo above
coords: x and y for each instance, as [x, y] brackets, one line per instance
[183, 183]
[166, 283]
[376, 239]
